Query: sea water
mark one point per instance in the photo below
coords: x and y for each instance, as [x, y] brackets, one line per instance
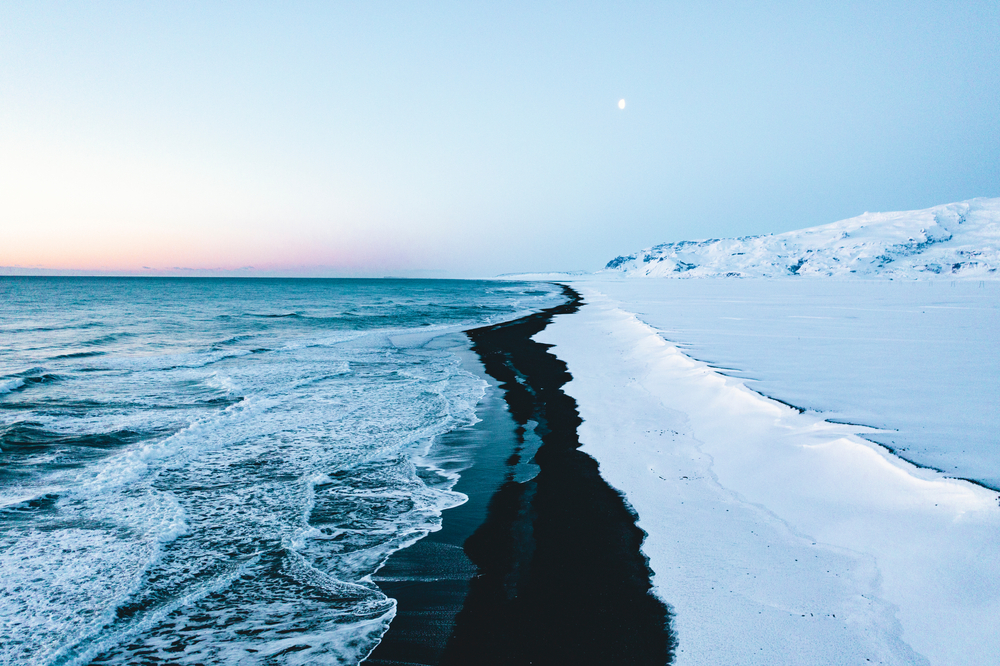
[209, 470]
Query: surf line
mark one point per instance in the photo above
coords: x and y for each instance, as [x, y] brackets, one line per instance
[556, 575]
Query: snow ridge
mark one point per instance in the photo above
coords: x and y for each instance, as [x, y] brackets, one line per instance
[957, 240]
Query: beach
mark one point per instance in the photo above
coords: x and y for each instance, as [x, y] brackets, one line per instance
[558, 575]
[481, 334]
[596, 471]
[775, 531]
[209, 471]
[775, 534]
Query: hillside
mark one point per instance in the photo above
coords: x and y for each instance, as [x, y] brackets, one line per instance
[958, 240]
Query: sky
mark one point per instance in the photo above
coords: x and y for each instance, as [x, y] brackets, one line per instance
[474, 139]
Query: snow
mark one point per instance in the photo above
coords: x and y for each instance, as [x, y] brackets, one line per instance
[918, 360]
[776, 535]
[958, 240]
[815, 461]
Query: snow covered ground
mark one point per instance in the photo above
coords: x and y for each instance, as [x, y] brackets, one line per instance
[776, 535]
[954, 240]
[919, 360]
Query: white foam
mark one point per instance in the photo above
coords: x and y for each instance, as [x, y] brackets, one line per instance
[165, 361]
[223, 383]
[131, 465]
[87, 648]
[8, 385]
[62, 586]
[269, 469]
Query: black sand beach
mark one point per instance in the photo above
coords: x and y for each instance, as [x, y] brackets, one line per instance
[542, 570]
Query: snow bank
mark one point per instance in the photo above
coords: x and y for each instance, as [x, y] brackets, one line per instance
[958, 240]
[776, 536]
[918, 360]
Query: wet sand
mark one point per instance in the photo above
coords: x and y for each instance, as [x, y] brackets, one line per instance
[542, 564]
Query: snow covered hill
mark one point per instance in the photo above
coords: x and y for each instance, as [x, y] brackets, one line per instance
[958, 240]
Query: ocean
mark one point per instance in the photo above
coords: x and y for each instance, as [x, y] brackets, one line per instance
[209, 470]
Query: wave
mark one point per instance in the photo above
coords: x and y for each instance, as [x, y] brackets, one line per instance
[235, 339]
[8, 385]
[168, 361]
[87, 354]
[63, 327]
[105, 339]
[239, 509]
[31, 437]
[27, 378]
[279, 315]
[21, 506]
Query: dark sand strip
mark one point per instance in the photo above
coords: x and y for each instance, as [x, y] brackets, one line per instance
[560, 579]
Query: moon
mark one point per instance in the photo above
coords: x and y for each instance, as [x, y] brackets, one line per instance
[621, 104]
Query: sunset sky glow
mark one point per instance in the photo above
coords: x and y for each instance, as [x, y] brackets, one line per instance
[446, 139]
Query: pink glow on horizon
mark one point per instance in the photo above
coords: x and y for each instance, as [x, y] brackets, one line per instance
[164, 251]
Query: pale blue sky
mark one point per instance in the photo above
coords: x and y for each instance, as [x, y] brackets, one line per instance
[375, 138]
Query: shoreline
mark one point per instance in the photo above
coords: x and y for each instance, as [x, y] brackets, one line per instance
[553, 572]
[429, 579]
[779, 536]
